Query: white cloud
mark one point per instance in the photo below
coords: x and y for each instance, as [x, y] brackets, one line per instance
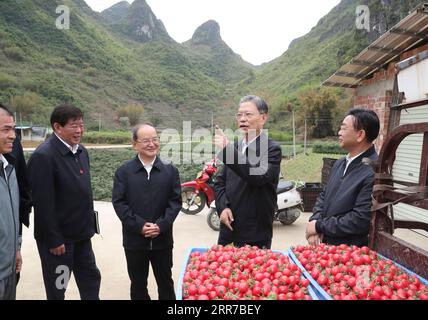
[258, 30]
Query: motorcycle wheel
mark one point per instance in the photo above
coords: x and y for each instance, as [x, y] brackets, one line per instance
[192, 203]
[292, 216]
[213, 219]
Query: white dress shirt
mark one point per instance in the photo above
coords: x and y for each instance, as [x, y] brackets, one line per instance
[72, 149]
[148, 166]
[349, 160]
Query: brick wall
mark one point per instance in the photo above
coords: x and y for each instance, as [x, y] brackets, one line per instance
[376, 94]
[379, 103]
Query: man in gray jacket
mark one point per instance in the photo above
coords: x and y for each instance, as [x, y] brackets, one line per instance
[10, 257]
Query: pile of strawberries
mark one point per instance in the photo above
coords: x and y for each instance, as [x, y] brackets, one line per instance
[353, 273]
[248, 273]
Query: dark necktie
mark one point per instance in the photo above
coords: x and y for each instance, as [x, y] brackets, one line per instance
[8, 170]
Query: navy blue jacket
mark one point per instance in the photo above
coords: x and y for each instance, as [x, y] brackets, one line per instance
[62, 194]
[343, 209]
[251, 196]
[138, 200]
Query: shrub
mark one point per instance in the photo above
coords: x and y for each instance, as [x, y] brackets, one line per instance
[118, 137]
[330, 148]
[6, 81]
[280, 136]
[14, 53]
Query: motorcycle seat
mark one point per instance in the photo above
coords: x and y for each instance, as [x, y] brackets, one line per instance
[284, 186]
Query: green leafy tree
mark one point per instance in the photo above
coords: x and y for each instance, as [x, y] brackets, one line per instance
[319, 107]
[26, 105]
[132, 111]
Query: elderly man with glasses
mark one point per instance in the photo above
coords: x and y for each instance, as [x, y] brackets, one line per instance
[147, 199]
[246, 188]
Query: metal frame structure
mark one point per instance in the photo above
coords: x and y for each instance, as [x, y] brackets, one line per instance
[386, 195]
[407, 34]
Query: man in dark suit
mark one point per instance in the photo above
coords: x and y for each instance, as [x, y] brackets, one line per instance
[147, 199]
[246, 188]
[342, 211]
[63, 207]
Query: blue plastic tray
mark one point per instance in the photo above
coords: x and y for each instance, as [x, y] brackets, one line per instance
[319, 291]
[179, 291]
[422, 280]
[322, 294]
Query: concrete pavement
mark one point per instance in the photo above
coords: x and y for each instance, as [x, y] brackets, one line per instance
[189, 232]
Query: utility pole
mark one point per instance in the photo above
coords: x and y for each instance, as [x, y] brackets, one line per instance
[291, 109]
[294, 134]
[305, 133]
[212, 121]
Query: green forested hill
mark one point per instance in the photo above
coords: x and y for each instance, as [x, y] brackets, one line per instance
[125, 55]
[312, 58]
[100, 67]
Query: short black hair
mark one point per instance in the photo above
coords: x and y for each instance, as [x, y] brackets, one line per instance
[6, 110]
[259, 102]
[367, 120]
[63, 113]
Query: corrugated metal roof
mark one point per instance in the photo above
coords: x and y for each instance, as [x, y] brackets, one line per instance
[402, 37]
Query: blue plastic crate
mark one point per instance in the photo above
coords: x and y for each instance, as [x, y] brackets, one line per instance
[322, 294]
[319, 291]
[179, 291]
[422, 280]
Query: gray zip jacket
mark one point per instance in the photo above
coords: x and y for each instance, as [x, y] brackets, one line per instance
[9, 224]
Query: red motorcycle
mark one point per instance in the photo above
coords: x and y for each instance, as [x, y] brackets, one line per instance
[198, 193]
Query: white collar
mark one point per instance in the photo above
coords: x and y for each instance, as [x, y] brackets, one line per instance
[244, 144]
[149, 165]
[5, 162]
[72, 149]
[350, 159]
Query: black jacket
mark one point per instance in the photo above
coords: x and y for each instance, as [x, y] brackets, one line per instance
[62, 195]
[343, 209]
[247, 186]
[25, 203]
[138, 200]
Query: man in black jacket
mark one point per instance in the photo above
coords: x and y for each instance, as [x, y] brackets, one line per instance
[63, 207]
[246, 188]
[342, 211]
[147, 199]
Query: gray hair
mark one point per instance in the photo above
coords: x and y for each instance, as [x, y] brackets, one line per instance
[259, 102]
[135, 129]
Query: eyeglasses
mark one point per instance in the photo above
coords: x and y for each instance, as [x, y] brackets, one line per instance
[248, 115]
[147, 141]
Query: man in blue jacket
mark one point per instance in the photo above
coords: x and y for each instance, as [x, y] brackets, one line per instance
[343, 209]
[63, 207]
[10, 257]
[147, 199]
